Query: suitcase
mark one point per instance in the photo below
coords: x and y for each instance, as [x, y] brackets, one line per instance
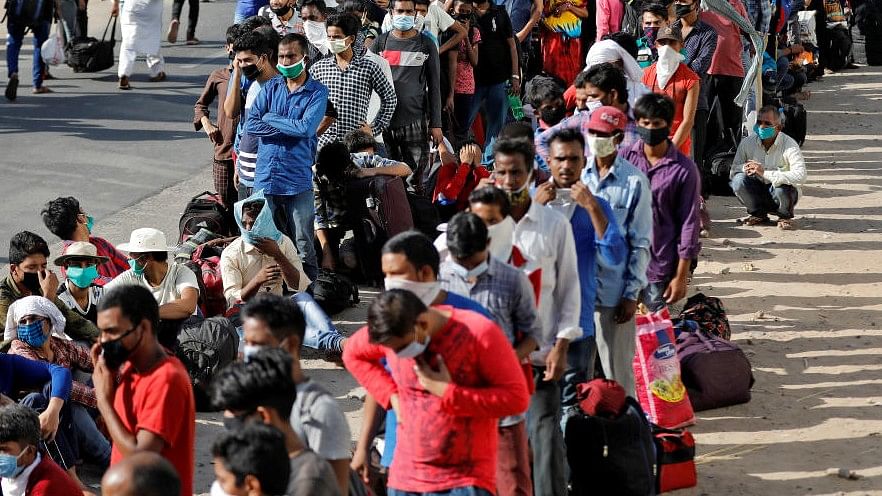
[379, 209]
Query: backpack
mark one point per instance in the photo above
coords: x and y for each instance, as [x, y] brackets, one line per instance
[716, 372]
[708, 312]
[675, 464]
[611, 456]
[333, 292]
[204, 350]
[205, 263]
[31, 13]
[204, 211]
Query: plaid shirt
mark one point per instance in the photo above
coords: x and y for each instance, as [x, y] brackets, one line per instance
[350, 92]
[68, 355]
[117, 264]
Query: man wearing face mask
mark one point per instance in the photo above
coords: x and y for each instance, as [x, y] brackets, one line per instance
[261, 390]
[433, 21]
[144, 393]
[285, 116]
[546, 238]
[767, 171]
[29, 276]
[79, 291]
[654, 17]
[24, 468]
[314, 14]
[284, 16]
[351, 78]
[595, 233]
[676, 186]
[452, 372]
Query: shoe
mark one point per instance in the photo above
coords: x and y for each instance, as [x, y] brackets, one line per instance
[42, 90]
[173, 31]
[159, 78]
[124, 83]
[12, 88]
[193, 41]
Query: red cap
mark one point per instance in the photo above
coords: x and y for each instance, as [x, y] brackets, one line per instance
[601, 397]
[607, 119]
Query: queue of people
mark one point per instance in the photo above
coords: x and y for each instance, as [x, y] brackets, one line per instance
[557, 228]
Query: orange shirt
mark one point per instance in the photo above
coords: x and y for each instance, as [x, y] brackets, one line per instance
[677, 88]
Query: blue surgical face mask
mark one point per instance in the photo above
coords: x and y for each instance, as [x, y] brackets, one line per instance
[414, 349]
[403, 22]
[32, 333]
[9, 468]
[764, 133]
[82, 277]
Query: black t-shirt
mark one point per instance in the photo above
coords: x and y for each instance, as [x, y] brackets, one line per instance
[493, 51]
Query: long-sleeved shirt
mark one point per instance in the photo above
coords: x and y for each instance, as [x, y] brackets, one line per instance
[700, 45]
[610, 247]
[783, 162]
[627, 191]
[609, 17]
[580, 121]
[545, 238]
[68, 355]
[675, 186]
[416, 70]
[449, 441]
[20, 374]
[350, 90]
[217, 85]
[286, 123]
[75, 325]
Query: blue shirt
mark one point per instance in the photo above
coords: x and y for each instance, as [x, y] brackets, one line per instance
[286, 123]
[455, 301]
[626, 189]
[611, 248]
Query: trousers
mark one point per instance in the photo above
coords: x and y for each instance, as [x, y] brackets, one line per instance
[762, 199]
[615, 347]
[128, 56]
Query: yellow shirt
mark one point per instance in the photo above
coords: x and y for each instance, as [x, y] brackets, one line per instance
[241, 262]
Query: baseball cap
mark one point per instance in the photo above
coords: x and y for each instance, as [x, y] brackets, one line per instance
[607, 119]
[669, 33]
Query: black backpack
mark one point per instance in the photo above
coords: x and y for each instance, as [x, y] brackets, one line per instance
[611, 456]
[204, 211]
[205, 349]
[31, 13]
[333, 292]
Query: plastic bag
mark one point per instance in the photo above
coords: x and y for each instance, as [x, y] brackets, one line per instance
[52, 50]
[660, 389]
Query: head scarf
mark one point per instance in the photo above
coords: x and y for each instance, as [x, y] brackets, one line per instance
[34, 305]
[264, 226]
[610, 51]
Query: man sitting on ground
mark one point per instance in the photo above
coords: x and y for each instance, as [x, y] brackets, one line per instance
[143, 474]
[767, 171]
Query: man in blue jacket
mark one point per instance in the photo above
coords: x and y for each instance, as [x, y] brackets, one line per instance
[285, 117]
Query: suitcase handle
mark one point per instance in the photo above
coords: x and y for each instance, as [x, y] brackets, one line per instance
[112, 32]
[200, 195]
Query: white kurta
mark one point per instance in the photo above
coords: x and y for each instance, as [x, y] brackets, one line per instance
[141, 25]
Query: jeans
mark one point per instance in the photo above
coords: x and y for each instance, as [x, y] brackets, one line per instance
[14, 41]
[410, 144]
[92, 443]
[762, 198]
[459, 491]
[295, 215]
[320, 331]
[495, 100]
[580, 369]
[546, 438]
[192, 15]
[615, 347]
[462, 109]
[64, 449]
[653, 295]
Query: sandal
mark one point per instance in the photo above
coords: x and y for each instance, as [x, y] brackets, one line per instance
[124, 83]
[42, 90]
[755, 221]
[193, 41]
[786, 224]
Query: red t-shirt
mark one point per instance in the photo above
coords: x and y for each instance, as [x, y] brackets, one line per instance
[448, 442]
[160, 401]
[678, 86]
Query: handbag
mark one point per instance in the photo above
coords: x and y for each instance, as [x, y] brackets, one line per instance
[91, 55]
[675, 459]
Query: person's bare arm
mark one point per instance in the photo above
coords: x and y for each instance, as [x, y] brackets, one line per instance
[233, 100]
[685, 130]
[269, 273]
[289, 272]
[676, 290]
[324, 125]
[535, 15]
[453, 42]
[341, 471]
[370, 424]
[328, 261]
[400, 169]
[182, 307]
[515, 67]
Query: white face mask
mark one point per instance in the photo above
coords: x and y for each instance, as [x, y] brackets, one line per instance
[217, 490]
[316, 33]
[601, 147]
[425, 291]
[502, 238]
[593, 105]
[414, 349]
[419, 22]
[668, 61]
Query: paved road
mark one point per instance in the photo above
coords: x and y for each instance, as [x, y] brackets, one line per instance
[108, 148]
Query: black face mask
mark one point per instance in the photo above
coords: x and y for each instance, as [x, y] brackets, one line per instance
[683, 10]
[281, 11]
[552, 115]
[114, 353]
[653, 137]
[231, 55]
[31, 281]
[251, 72]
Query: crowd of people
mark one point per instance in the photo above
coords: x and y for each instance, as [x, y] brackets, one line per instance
[564, 145]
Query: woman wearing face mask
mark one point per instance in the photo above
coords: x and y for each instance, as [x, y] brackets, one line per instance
[79, 291]
[670, 76]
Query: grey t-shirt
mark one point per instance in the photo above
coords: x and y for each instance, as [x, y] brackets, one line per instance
[311, 476]
[319, 422]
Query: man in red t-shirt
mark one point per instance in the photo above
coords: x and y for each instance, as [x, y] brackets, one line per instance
[454, 374]
[151, 408]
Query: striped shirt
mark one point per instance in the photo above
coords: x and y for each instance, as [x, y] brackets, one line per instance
[415, 68]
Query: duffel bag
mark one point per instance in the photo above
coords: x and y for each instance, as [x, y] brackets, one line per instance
[675, 459]
[90, 54]
[716, 372]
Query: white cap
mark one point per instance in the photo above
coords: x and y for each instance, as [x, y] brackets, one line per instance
[145, 240]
